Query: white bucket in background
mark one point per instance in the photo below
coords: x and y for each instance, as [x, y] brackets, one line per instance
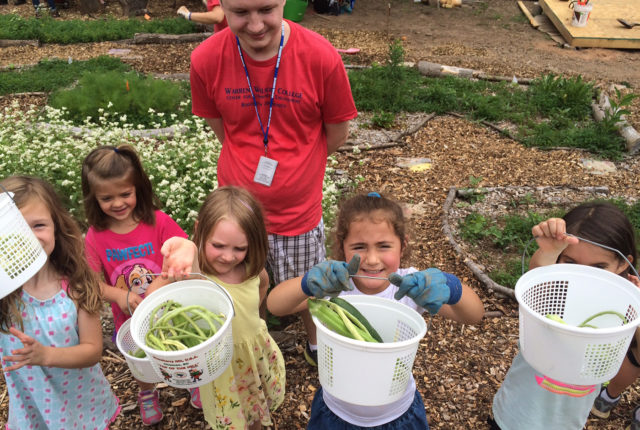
[21, 255]
[140, 368]
[565, 352]
[371, 374]
[581, 14]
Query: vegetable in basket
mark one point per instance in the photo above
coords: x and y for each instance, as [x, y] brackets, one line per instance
[174, 327]
[338, 319]
[585, 323]
[138, 353]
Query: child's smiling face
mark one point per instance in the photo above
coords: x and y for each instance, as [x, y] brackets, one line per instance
[380, 249]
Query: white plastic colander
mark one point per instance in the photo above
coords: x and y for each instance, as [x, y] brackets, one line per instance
[140, 368]
[371, 374]
[565, 352]
[201, 364]
[21, 255]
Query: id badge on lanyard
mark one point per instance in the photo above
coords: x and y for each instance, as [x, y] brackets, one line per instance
[266, 166]
[265, 171]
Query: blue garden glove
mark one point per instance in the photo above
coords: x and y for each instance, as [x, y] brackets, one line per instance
[330, 278]
[430, 289]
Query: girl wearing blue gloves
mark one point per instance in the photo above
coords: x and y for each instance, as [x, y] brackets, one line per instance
[370, 234]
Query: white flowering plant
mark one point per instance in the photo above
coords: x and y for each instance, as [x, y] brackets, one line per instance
[181, 160]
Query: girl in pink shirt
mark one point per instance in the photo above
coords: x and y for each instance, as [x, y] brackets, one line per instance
[124, 239]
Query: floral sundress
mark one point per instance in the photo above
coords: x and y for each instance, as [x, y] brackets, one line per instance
[254, 383]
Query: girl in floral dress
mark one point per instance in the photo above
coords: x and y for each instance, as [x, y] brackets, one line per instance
[50, 332]
[231, 242]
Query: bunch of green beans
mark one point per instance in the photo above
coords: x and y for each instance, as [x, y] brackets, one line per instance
[173, 327]
[341, 317]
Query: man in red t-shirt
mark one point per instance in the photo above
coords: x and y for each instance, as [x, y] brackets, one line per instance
[276, 129]
[213, 16]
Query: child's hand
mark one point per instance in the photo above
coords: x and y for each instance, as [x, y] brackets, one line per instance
[33, 352]
[430, 289]
[180, 254]
[330, 277]
[634, 280]
[551, 236]
[128, 301]
[183, 12]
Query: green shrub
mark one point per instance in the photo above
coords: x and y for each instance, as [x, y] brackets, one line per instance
[49, 75]
[126, 94]
[49, 30]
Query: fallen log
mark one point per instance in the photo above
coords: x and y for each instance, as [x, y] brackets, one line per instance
[628, 133]
[6, 43]
[446, 229]
[143, 38]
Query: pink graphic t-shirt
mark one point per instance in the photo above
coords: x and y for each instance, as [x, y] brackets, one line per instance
[129, 261]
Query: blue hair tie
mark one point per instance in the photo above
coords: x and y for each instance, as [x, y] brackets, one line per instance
[374, 194]
[116, 150]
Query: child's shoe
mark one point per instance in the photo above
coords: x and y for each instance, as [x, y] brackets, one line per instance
[635, 423]
[195, 398]
[149, 407]
[602, 407]
[311, 356]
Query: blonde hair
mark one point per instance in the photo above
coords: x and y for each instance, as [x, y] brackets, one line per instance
[67, 258]
[239, 205]
[114, 163]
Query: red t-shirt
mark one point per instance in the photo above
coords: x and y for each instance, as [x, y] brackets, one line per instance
[222, 25]
[312, 89]
[128, 261]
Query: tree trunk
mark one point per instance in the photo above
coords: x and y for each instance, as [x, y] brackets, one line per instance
[90, 6]
[133, 7]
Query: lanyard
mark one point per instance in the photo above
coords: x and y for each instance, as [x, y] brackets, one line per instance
[265, 133]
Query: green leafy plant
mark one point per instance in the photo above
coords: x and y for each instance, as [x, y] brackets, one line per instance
[619, 108]
[49, 75]
[126, 94]
[382, 119]
[49, 30]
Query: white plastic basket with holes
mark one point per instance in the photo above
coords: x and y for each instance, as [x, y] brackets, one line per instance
[21, 255]
[565, 352]
[371, 374]
[140, 368]
[201, 364]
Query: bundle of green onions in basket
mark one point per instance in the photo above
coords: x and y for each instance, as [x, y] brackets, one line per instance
[174, 327]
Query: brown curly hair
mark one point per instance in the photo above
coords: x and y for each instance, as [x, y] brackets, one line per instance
[369, 206]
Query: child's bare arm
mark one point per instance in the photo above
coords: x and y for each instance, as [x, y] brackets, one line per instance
[468, 310]
[287, 298]
[85, 354]
[264, 285]
[552, 239]
[120, 297]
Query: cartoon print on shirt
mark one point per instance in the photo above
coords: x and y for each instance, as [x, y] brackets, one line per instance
[135, 278]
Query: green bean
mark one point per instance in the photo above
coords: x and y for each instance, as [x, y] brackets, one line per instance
[175, 327]
[599, 314]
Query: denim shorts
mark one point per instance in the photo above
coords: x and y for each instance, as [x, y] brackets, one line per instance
[415, 418]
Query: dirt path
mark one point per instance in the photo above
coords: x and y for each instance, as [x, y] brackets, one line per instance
[458, 368]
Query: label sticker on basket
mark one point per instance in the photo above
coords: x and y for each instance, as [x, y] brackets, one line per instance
[558, 387]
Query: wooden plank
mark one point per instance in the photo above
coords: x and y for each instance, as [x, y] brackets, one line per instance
[526, 12]
[602, 29]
